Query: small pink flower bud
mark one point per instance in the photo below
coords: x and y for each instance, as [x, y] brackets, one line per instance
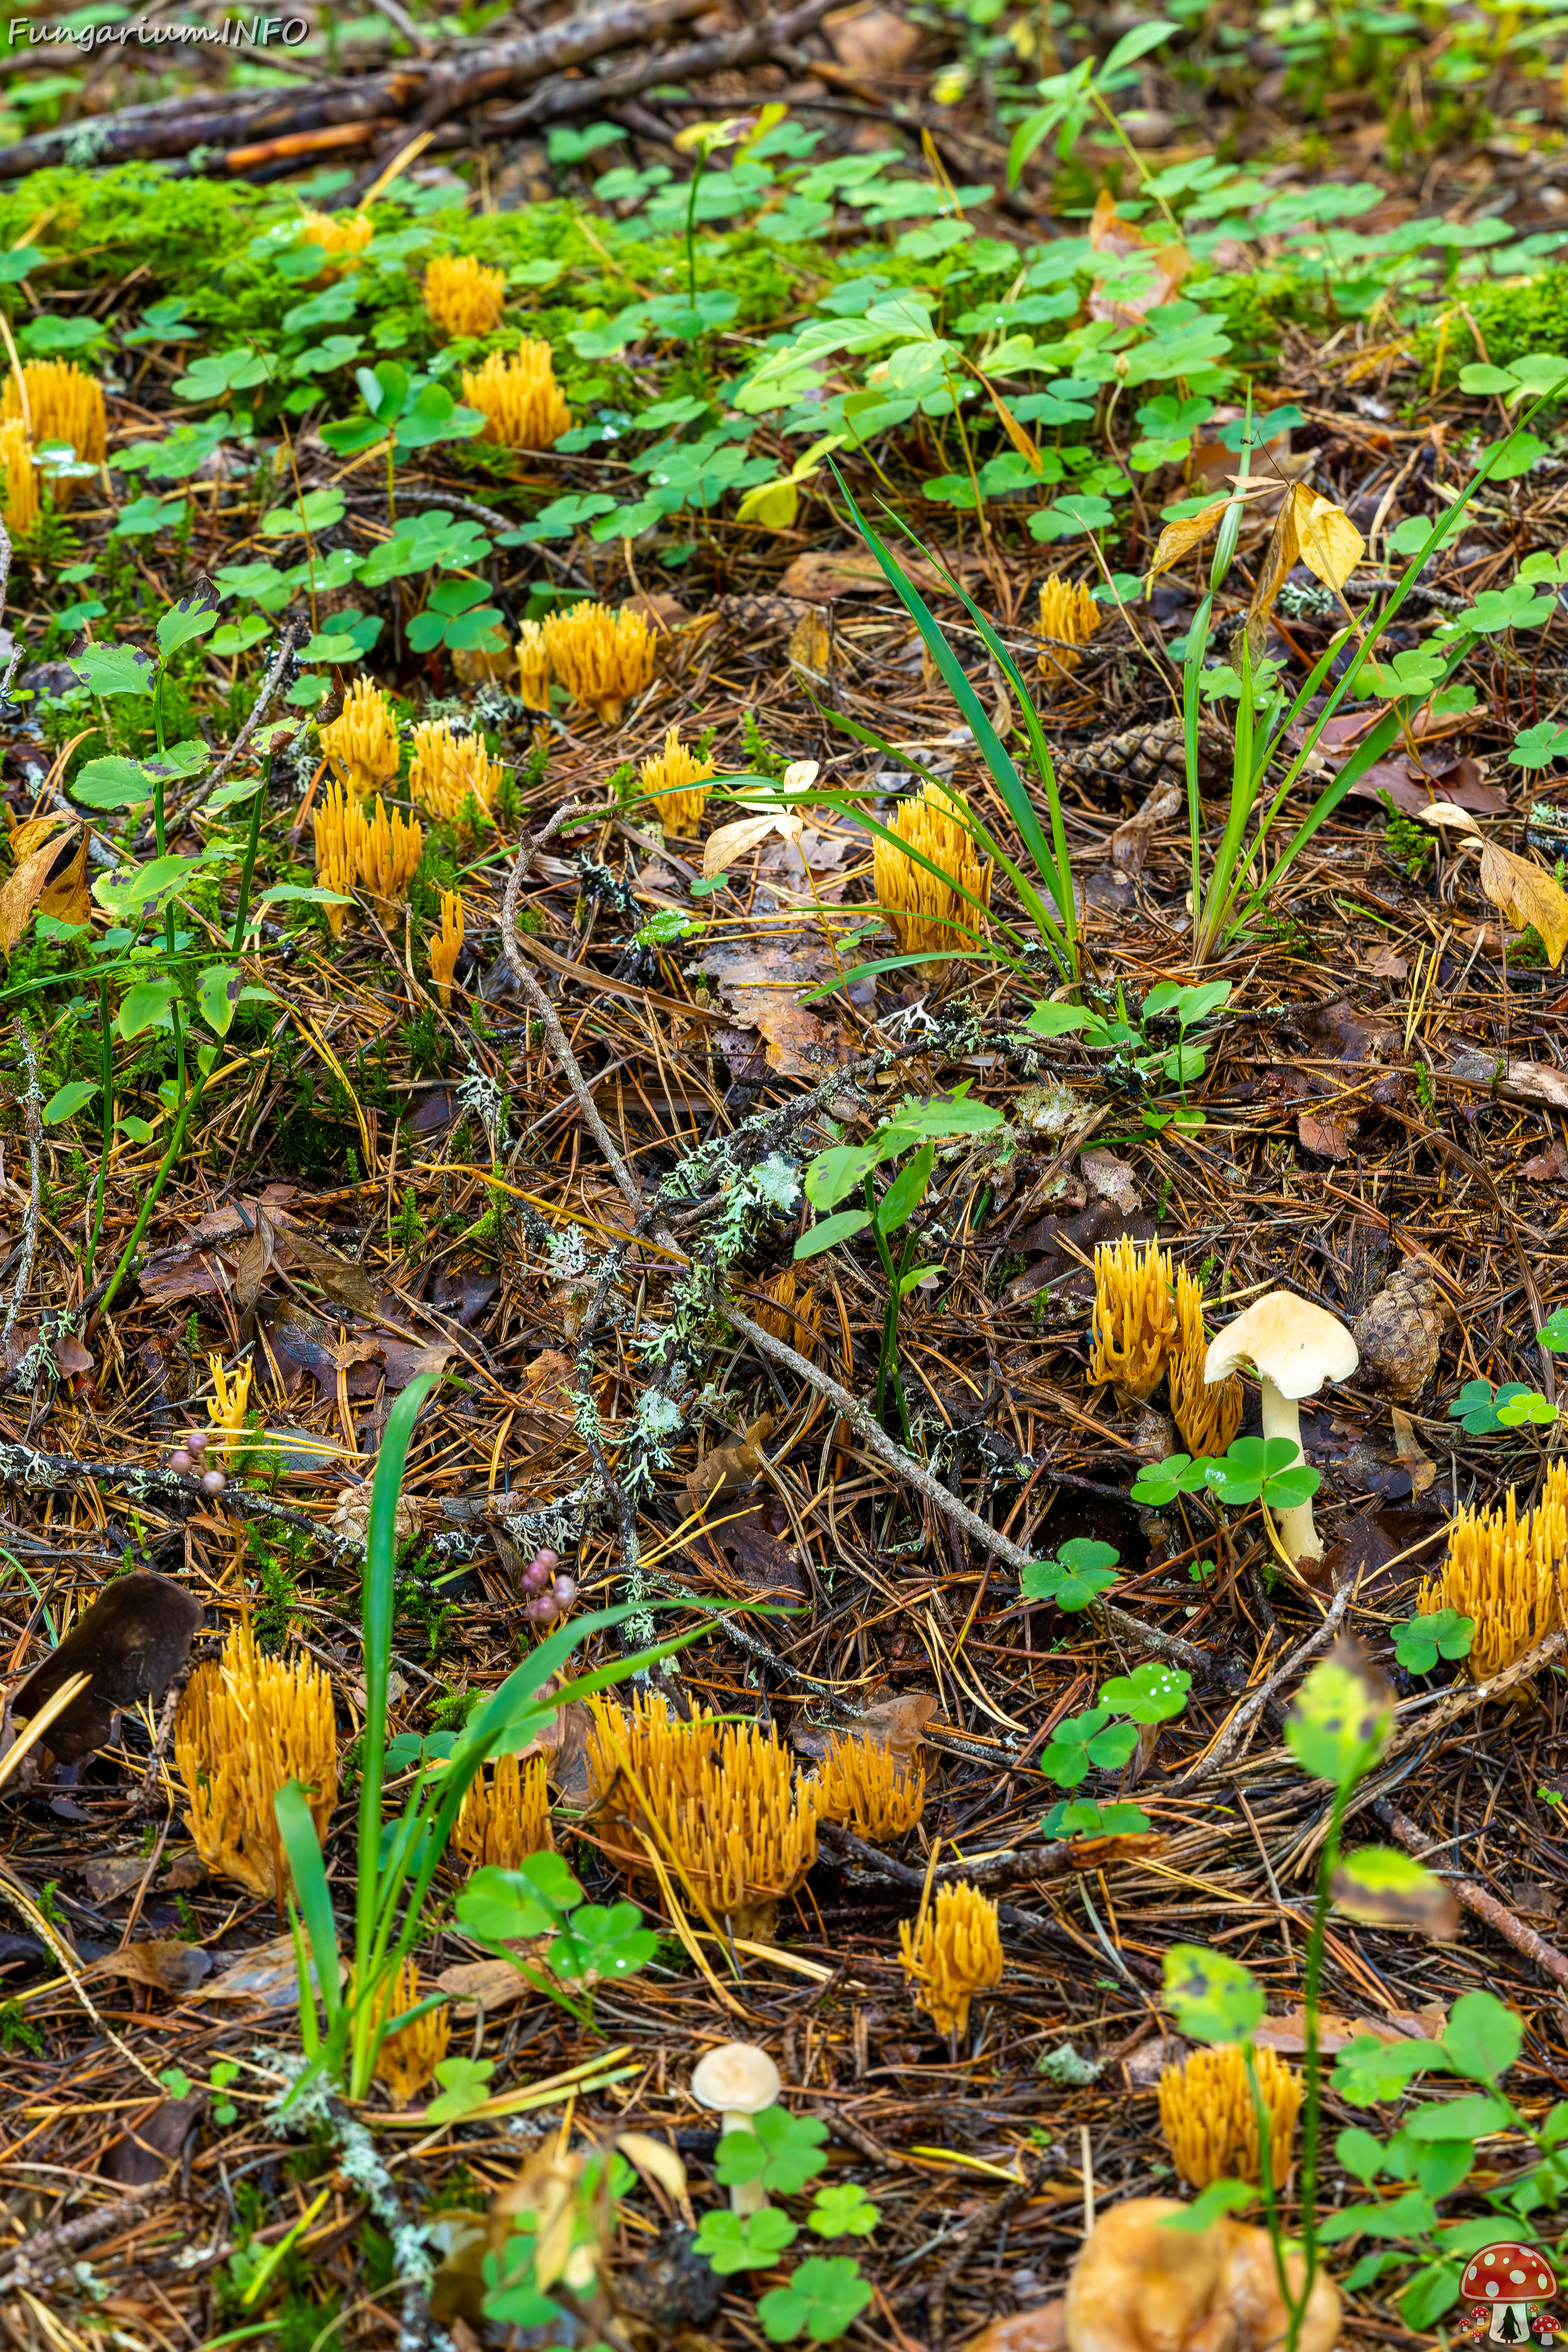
[541, 1608]
[197, 1443]
[180, 1461]
[213, 1482]
[565, 1592]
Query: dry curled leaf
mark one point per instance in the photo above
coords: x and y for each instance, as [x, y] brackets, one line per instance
[1179, 538]
[1526, 894]
[1421, 1466]
[166, 1963]
[50, 880]
[1329, 545]
[730, 1470]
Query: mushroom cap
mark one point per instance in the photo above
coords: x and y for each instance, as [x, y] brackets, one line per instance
[1509, 2274]
[1291, 1342]
[737, 2078]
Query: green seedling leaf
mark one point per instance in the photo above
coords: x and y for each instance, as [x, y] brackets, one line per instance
[1528, 1406]
[1086, 1743]
[1049, 1020]
[1420, 1642]
[1410, 2216]
[218, 994]
[825, 2297]
[67, 1100]
[1369, 2073]
[843, 2211]
[1221, 2197]
[744, 2241]
[1267, 1466]
[1362, 2156]
[1469, 2118]
[1539, 746]
[111, 782]
[1083, 1818]
[1211, 1997]
[147, 1004]
[1389, 1889]
[114, 669]
[905, 1193]
[1152, 1693]
[838, 1171]
[1340, 1724]
[317, 511]
[1482, 2038]
[1476, 1409]
[828, 1232]
[1554, 1332]
[464, 2085]
[191, 618]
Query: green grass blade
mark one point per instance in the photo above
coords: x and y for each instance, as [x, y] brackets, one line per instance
[302, 1849]
[381, 1551]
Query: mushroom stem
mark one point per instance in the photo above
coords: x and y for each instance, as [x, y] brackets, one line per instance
[746, 2196]
[1283, 1418]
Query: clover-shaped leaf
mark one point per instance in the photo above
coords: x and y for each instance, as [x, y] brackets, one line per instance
[1079, 1574]
[1267, 1466]
[744, 2241]
[824, 2296]
[1554, 1332]
[782, 2151]
[602, 1943]
[507, 1906]
[1524, 1405]
[464, 2085]
[1476, 1409]
[1420, 1642]
[1082, 1817]
[1086, 1743]
[1178, 1473]
[1538, 746]
[1212, 1997]
[1152, 1693]
[843, 2209]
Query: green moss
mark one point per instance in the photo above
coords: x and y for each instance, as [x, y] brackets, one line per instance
[1515, 317]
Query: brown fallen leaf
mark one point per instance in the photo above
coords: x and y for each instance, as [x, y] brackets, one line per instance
[765, 1567]
[1179, 538]
[1548, 1167]
[1424, 1906]
[255, 1263]
[164, 1962]
[810, 649]
[730, 1470]
[267, 1975]
[1526, 895]
[1326, 1137]
[131, 1641]
[148, 2148]
[113, 1875]
[871, 41]
[895, 1723]
[488, 1985]
[1422, 1468]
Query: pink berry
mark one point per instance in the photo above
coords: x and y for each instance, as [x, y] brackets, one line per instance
[180, 1461]
[198, 1441]
[213, 1482]
[565, 1591]
[546, 1559]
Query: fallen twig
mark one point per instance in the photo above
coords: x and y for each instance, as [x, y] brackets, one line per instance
[1509, 1926]
[1250, 1706]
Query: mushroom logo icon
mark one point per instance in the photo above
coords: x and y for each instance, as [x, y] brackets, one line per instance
[1504, 2286]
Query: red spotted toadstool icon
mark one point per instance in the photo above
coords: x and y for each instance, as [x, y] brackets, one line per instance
[1502, 2286]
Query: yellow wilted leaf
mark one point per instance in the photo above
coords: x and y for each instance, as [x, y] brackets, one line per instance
[1329, 545]
[1281, 553]
[1022, 439]
[26, 837]
[1519, 891]
[655, 2159]
[51, 880]
[1179, 538]
[773, 505]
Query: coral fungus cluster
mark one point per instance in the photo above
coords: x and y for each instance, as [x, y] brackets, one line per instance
[248, 1725]
[1507, 1573]
[462, 297]
[517, 397]
[352, 847]
[931, 911]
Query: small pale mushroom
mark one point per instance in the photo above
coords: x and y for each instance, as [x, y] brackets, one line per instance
[1293, 1347]
[739, 2081]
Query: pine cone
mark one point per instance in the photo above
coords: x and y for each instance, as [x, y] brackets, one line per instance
[1140, 757]
[1400, 1333]
[351, 1517]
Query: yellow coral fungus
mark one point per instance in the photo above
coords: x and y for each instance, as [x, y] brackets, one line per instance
[929, 912]
[462, 297]
[447, 943]
[1209, 2122]
[447, 767]
[362, 740]
[63, 404]
[1208, 1417]
[388, 854]
[870, 1789]
[1069, 615]
[407, 2058]
[22, 504]
[534, 667]
[247, 1726]
[716, 1802]
[1507, 1573]
[679, 781]
[506, 1818]
[952, 1951]
[345, 233]
[602, 658]
[226, 1420]
[517, 395]
[1133, 1323]
[793, 1314]
[337, 826]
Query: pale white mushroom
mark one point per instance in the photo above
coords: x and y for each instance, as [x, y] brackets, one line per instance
[1293, 1347]
[739, 2081]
